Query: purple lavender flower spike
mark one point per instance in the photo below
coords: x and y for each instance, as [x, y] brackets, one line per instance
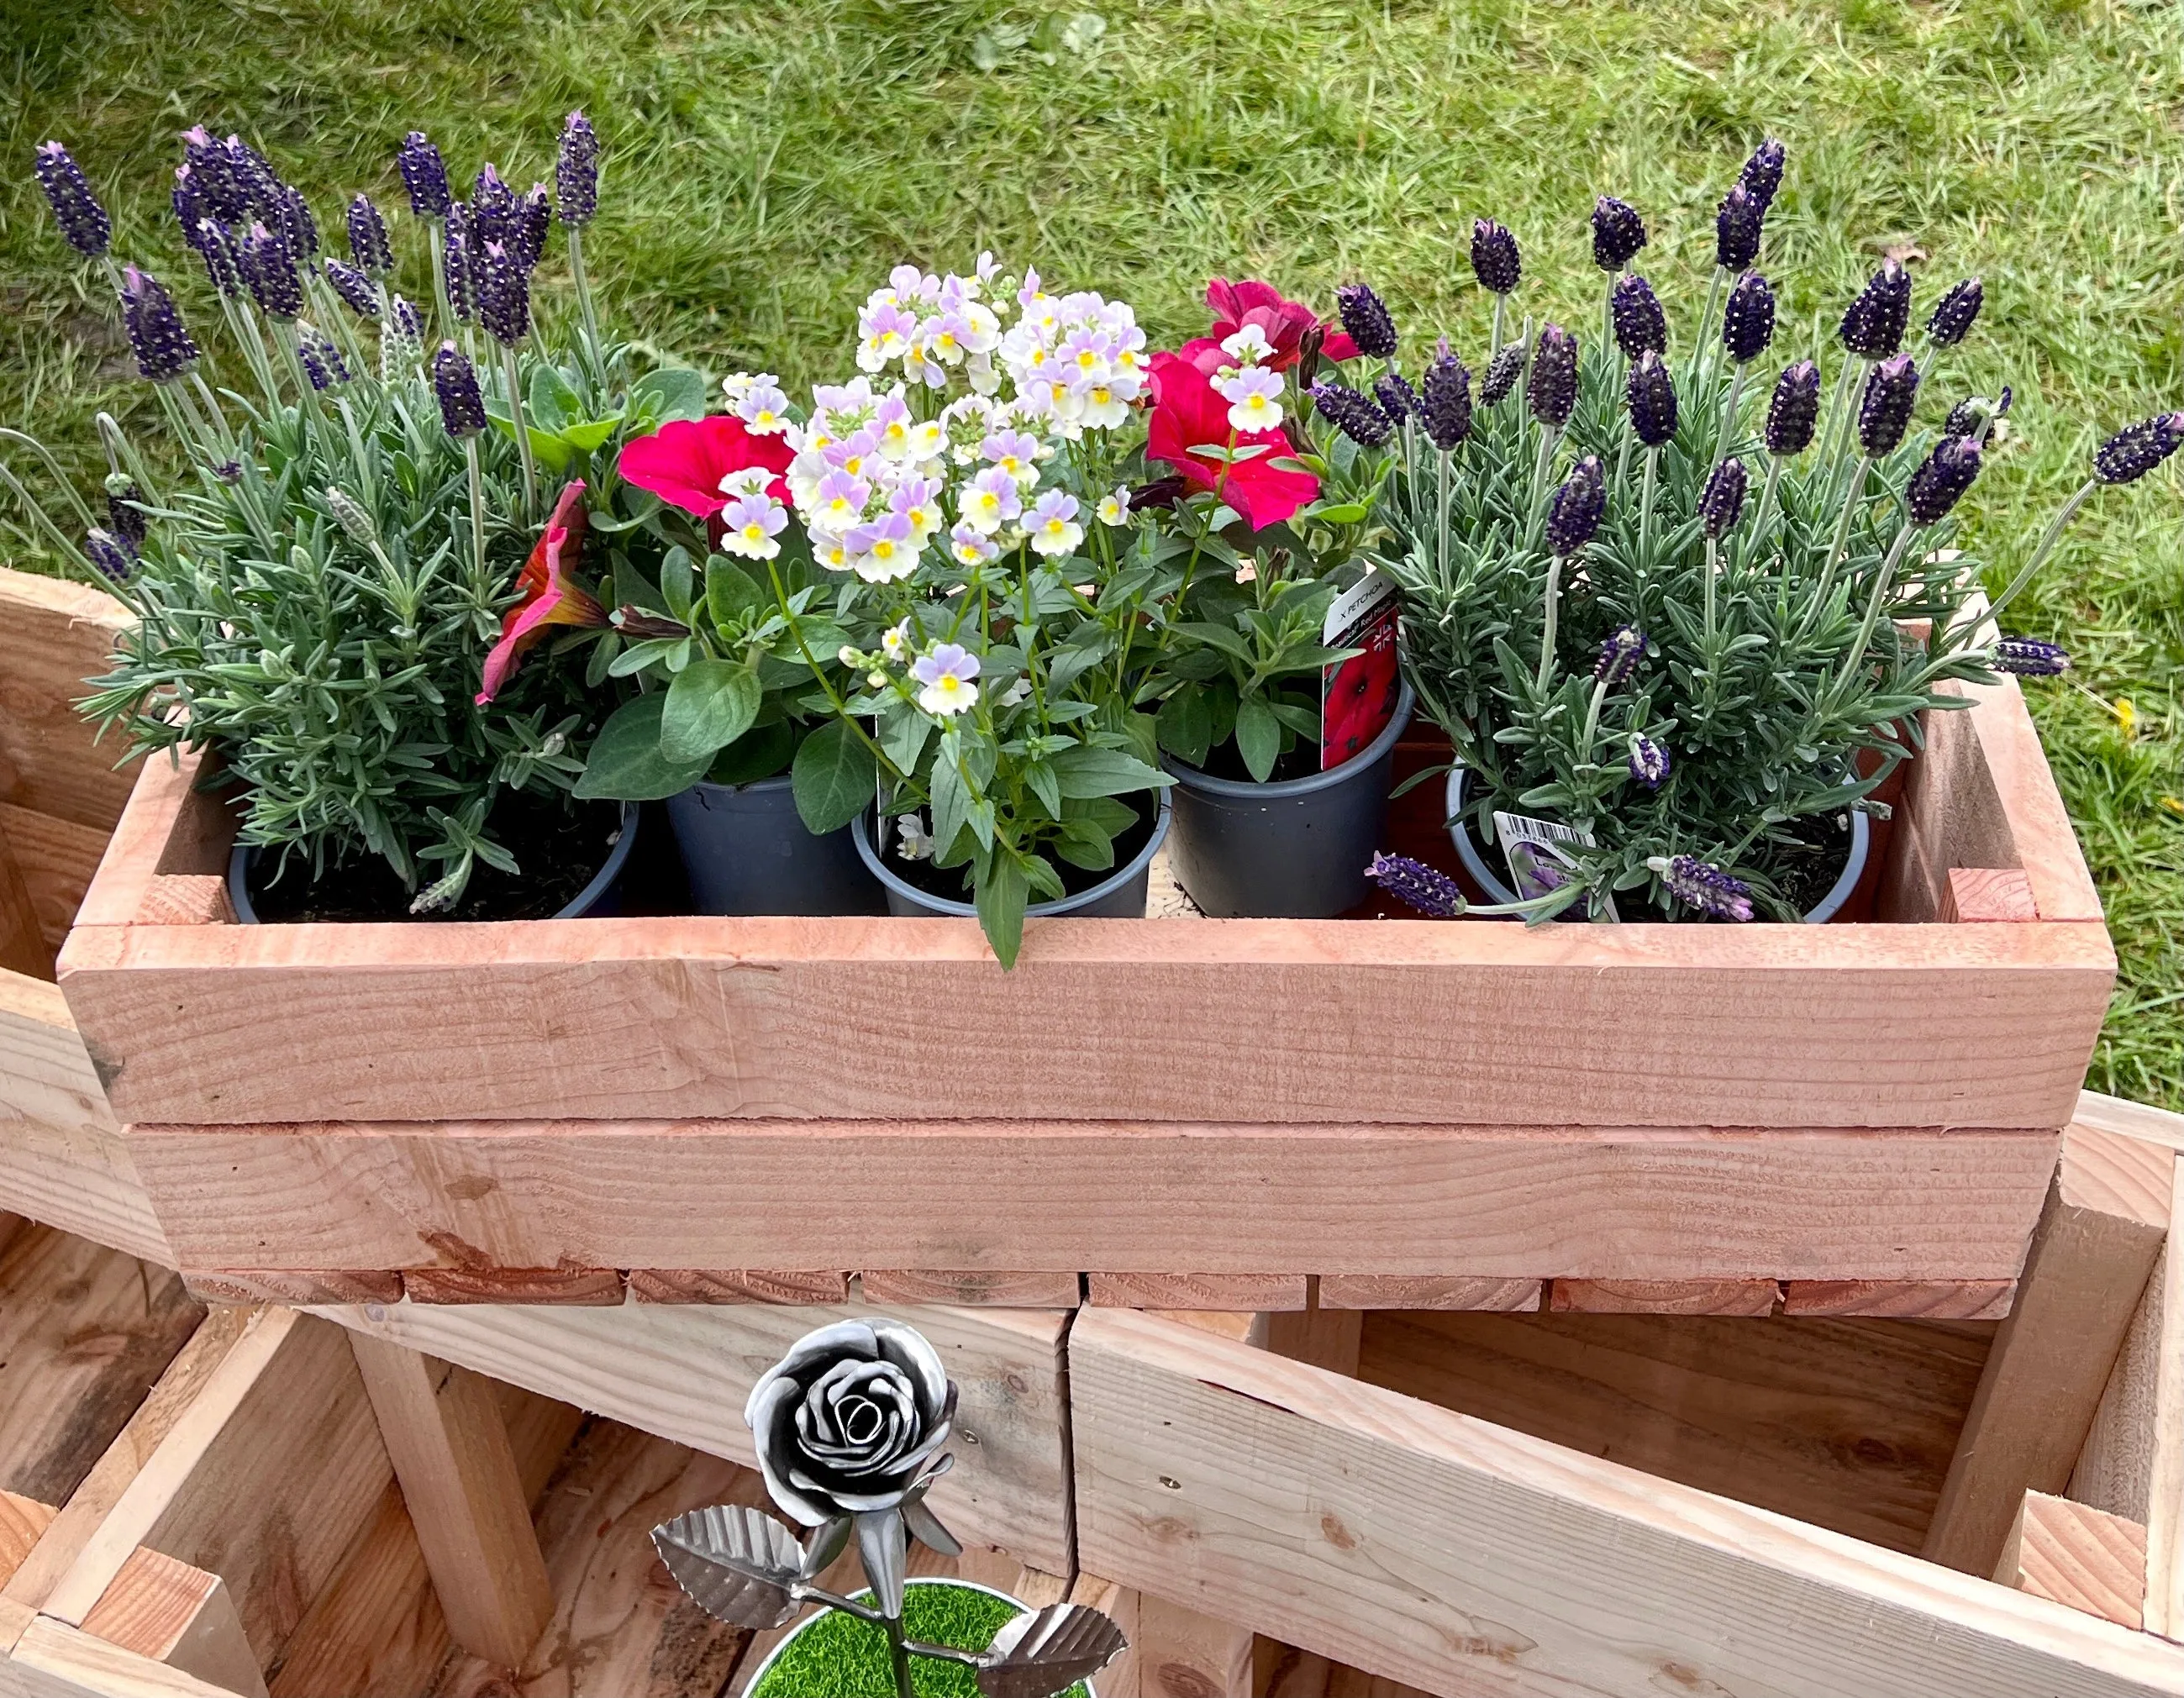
[576, 172]
[1358, 417]
[1398, 399]
[1884, 413]
[1651, 392]
[114, 563]
[1640, 325]
[1873, 324]
[188, 202]
[1365, 316]
[503, 295]
[297, 226]
[1551, 389]
[215, 245]
[1573, 514]
[1942, 480]
[1495, 260]
[1956, 312]
[1619, 655]
[268, 269]
[1414, 885]
[1762, 174]
[355, 289]
[1702, 885]
[2028, 657]
[455, 381]
[156, 337]
[83, 224]
[1795, 411]
[322, 361]
[458, 262]
[2135, 449]
[1617, 233]
[492, 206]
[205, 157]
[1447, 409]
[1502, 372]
[1747, 321]
[254, 179]
[407, 320]
[1721, 502]
[425, 176]
[1736, 229]
[372, 253]
[528, 226]
[1649, 761]
[125, 516]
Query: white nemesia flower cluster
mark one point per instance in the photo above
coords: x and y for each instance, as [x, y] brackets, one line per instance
[878, 476]
[1253, 392]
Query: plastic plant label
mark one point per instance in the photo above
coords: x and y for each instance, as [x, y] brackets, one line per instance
[1357, 696]
[1537, 862]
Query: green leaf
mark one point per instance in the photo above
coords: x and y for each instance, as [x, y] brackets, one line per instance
[711, 704]
[1039, 778]
[553, 403]
[951, 801]
[1258, 736]
[760, 753]
[673, 392]
[1086, 771]
[587, 436]
[1045, 881]
[834, 778]
[550, 451]
[1088, 844]
[1216, 635]
[677, 583]
[732, 595]
[1186, 725]
[1002, 894]
[626, 764]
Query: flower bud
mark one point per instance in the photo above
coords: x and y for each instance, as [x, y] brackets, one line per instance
[2135, 449]
[1502, 372]
[576, 172]
[1795, 412]
[454, 382]
[1414, 885]
[1494, 258]
[1619, 655]
[1762, 174]
[268, 265]
[2028, 657]
[1551, 389]
[1651, 392]
[425, 176]
[1884, 413]
[368, 246]
[1574, 515]
[355, 289]
[1747, 320]
[1721, 502]
[1617, 233]
[1956, 312]
[1640, 325]
[321, 361]
[1365, 316]
[349, 514]
[113, 563]
[83, 224]
[1649, 762]
[1702, 885]
[1446, 403]
[1873, 324]
[1736, 229]
[1398, 399]
[156, 337]
[1355, 416]
[1942, 480]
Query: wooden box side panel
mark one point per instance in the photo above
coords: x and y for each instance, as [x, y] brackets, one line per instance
[52, 636]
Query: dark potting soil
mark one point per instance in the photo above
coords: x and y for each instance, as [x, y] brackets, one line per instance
[1300, 762]
[559, 846]
[1805, 869]
[953, 883]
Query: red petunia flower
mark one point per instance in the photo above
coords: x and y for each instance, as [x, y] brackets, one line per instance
[549, 595]
[1283, 322]
[1187, 414]
[685, 460]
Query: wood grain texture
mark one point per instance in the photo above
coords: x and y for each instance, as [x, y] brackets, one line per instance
[1426, 1291]
[295, 1288]
[2100, 1232]
[180, 1616]
[186, 899]
[1663, 1296]
[1507, 1202]
[684, 1371]
[53, 635]
[1930, 1299]
[22, 1522]
[1253, 1293]
[54, 1660]
[442, 1428]
[1183, 1653]
[970, 1287]
[1986, 896]
[56, 857]
[24, 950]
[1847, 1424]
[700, 1285]
[593, 1288]
[2078, 1555]
[1337, 1537]
[85, 1333]
[2140, 1121]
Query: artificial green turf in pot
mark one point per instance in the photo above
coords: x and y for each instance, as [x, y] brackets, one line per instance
[840, 1656]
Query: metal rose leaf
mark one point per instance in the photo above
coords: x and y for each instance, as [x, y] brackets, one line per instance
[831, 1540]
[1038, 1654]
[737, 1561]
[924, 1526]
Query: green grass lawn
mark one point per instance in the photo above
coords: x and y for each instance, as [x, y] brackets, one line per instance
[767, 163]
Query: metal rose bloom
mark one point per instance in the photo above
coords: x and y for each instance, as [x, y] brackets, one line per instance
[1640, 325]
[1762, 174]
[2028, 657]
[1502, 372]
[1747, 321]
[1873, 324]
[1551, 389]
[1795, 411]
[1446, 402]
[157, 335]
[1357, 416]
[1736, 228]
[1495, 260]
[1617, 233]
[1702, 885]
[849, 1422]
[1365, 316]
[576, 171]
[455, 381]
[1651, 392]
[1574, 514]
[368, 246]
[1884, 413]
[1414, 885]
[2135, 449]
[83, 221]
[425, 176]
[1721, 502]
[1956, 312]
[1942, 480]
[1397, 399]
[1649, 761]
[1620, 655]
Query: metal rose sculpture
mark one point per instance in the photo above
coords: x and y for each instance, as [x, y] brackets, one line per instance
[849, 1427]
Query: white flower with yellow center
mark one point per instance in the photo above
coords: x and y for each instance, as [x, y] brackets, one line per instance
[946, 674]
[1248, 346]
[1114, 508]
[1052, 524]
[1254, 396]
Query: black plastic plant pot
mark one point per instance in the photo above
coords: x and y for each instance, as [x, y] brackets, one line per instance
[1119, 896]
[600, 899]
[1497, 888]
[1294, 850]
[745, 851]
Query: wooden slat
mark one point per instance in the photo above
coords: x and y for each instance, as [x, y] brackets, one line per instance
[2103, 1223]
[1987, 895]
[2141, 1121]
[1250, 1291]
[180, 1616]
[1570, 1574]
[2078, 1555]
[1502, 1202]
[1426, 1291]
[23, 946]
[1183, 1653]
[52, 636]
[187, 898]
[22, 1522]
[592, 1288]
[1930, 1299]
[53, 1659]
[1847, 1424]
[295, 1288]
[635, 1364]
[443, 1433]
[976, 1288]
[699, 1285]
[57, 858]
[1663, 1296]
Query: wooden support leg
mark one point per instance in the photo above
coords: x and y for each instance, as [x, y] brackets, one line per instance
[2106, 1216]
[2078, 1555]
[445, 1435]
[184, 1617]
[23, 946]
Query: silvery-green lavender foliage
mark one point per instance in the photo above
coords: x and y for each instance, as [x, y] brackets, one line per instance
[1778, 683]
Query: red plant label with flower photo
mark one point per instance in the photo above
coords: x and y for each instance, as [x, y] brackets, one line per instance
[1357, 696]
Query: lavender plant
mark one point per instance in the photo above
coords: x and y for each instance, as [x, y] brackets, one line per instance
[1693, 628]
